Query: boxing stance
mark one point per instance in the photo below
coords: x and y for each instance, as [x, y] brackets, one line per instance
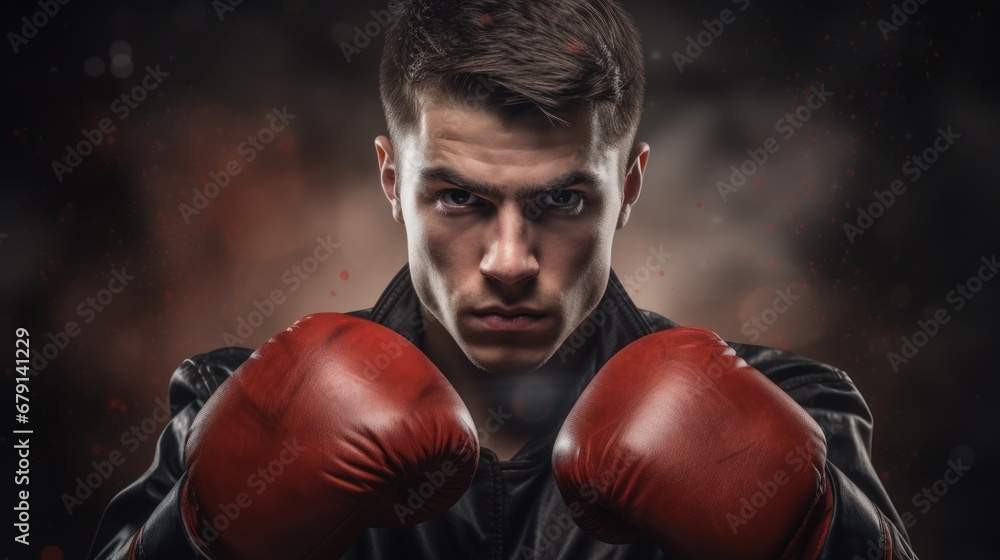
[504, 397]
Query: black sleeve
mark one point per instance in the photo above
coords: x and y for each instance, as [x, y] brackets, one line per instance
[151, 502]
[865, 523]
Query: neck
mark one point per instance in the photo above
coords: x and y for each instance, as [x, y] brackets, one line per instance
[508, 408]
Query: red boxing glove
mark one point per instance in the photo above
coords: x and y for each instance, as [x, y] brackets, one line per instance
[333, 426]
[679, 439]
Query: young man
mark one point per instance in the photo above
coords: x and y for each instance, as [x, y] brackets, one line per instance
[505, 398]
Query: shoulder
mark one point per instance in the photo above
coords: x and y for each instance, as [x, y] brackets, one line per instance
[361, 313]
[825, 392]
[198, 377]
[797, 375]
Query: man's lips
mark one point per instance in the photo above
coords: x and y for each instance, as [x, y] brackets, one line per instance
[509, 311]
[509, 318]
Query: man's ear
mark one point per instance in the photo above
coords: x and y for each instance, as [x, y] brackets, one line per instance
[633, 181]
[388, 177]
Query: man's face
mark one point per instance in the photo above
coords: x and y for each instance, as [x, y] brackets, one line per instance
[509, 226]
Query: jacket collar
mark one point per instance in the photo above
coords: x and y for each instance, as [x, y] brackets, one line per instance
[614, 323]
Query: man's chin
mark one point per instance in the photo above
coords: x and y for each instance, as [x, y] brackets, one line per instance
[508, 360]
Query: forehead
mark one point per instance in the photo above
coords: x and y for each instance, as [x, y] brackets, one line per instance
[481, 145]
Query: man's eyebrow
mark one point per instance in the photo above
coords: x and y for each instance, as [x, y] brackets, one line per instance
[452, 177]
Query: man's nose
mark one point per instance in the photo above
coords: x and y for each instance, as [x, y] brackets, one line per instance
[510, 251]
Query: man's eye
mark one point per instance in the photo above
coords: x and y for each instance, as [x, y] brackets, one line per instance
[560, 199]
[458, 197]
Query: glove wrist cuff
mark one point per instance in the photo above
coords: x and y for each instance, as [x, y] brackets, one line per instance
[191, 517]
[807, 543]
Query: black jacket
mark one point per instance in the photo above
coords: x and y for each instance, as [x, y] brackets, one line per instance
[513, 510]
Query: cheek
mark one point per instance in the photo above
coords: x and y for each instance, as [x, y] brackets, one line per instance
[441, 246]
[579, 263]
[421, 232]
[441, 257]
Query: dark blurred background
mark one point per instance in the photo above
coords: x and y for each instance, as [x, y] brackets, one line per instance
[219, 71]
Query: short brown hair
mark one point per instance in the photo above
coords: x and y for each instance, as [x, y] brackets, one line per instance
[556, 57]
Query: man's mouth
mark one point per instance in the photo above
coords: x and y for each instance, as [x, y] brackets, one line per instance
[500, 318]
